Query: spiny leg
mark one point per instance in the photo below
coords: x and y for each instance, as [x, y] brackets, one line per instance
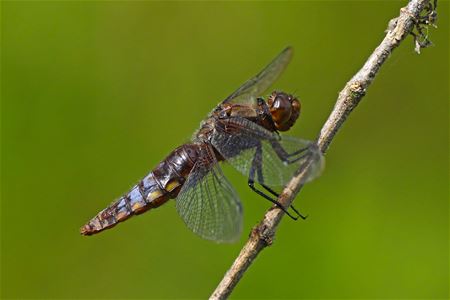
[261, 180]
[285, 156]
[278, 195]
[256, 167]
[301, 150]
[251, 184]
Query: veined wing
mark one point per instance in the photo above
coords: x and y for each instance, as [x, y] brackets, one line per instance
[272, 159]
[254, 87]
[207, 202]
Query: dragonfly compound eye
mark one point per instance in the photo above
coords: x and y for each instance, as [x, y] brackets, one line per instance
[285, 110]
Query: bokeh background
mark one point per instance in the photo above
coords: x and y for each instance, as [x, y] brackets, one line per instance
[95, 94]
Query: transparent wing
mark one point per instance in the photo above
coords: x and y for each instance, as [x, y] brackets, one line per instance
[209, 205]
[254, 87]
[273, 159]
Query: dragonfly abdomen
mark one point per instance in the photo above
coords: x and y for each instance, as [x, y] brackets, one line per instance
[160, 185]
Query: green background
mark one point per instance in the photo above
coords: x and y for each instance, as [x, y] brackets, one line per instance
[95, 94]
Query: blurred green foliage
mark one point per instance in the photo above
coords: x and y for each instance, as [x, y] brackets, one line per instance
[95, 94]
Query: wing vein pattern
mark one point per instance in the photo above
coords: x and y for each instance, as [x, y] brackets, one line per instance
[207, 202]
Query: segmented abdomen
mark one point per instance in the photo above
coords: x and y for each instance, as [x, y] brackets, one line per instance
[162, 184]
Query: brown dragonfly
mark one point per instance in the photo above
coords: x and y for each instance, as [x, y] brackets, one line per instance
[242, 130]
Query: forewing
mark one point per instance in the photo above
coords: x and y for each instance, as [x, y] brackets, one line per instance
[240, 145]
[254, 87]
[209, 205]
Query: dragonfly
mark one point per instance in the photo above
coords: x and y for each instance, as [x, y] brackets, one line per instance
[243, 130]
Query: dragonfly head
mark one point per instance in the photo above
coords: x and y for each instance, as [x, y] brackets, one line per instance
[284, 109]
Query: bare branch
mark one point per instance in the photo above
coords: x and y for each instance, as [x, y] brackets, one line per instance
[411, 18]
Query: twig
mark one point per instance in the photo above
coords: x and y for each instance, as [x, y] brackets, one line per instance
[262, 235]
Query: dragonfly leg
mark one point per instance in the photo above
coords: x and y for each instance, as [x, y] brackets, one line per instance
[261, 178]
[297, 159]
[299, 151]
[298, 213]
[288, 157]
[277, 195]
[251, 184]
[256, 167]
[261, 182]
